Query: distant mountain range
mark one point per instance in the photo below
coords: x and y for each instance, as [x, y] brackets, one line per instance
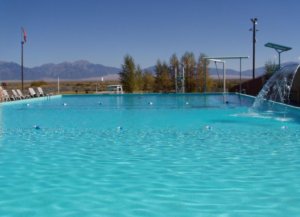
[78, 70]
[84, 70]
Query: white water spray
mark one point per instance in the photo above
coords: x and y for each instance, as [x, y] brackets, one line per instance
[277, 89]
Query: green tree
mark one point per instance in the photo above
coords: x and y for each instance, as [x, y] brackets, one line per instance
[139, 79]
[128, 75]
[202, 67]
[148, 82]
[189, 63]
[270, 67]
[163, 80]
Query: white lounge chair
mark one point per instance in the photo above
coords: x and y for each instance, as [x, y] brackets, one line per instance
[1, 94]
[15, 94]
[32, 93]
[21, 94]
[40, 91]
[6, 96]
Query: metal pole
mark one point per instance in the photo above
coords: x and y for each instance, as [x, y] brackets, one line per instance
[254, 21]
[253, 50]
[58, 88]
[22, 66]
[224, 78]
[224, 84]
[183, 80]
[204, 72]
[175, 71]
[279, 59]
[240, 75]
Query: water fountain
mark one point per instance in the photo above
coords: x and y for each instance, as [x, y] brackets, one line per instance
[277, 90]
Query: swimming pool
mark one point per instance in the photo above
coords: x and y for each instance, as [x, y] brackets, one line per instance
[147, 155]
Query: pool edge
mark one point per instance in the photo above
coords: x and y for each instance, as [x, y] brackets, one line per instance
[30, 100]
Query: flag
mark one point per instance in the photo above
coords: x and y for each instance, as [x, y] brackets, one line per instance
[24, 35]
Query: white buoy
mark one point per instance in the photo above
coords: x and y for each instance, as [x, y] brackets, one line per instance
[28, 104]
[37, 127]
[150, 103]
[65, 104]
[284, 127]
[207, 127]
[186, 103]
[119, 128]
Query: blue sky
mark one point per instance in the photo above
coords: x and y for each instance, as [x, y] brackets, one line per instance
[104, 31]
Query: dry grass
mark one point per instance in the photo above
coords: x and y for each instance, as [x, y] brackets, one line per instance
[86, 87]
[66, 87]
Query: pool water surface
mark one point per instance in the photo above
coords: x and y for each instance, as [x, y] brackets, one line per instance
[147, 155]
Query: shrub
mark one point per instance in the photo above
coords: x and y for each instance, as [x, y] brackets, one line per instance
[38, 83]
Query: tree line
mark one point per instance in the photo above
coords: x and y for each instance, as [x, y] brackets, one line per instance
[167, 75]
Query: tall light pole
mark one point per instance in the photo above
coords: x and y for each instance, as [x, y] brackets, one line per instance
[253, 29]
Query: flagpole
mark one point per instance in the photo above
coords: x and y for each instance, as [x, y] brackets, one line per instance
[23, 40]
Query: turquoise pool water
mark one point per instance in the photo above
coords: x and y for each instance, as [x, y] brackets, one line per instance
[148, 155]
